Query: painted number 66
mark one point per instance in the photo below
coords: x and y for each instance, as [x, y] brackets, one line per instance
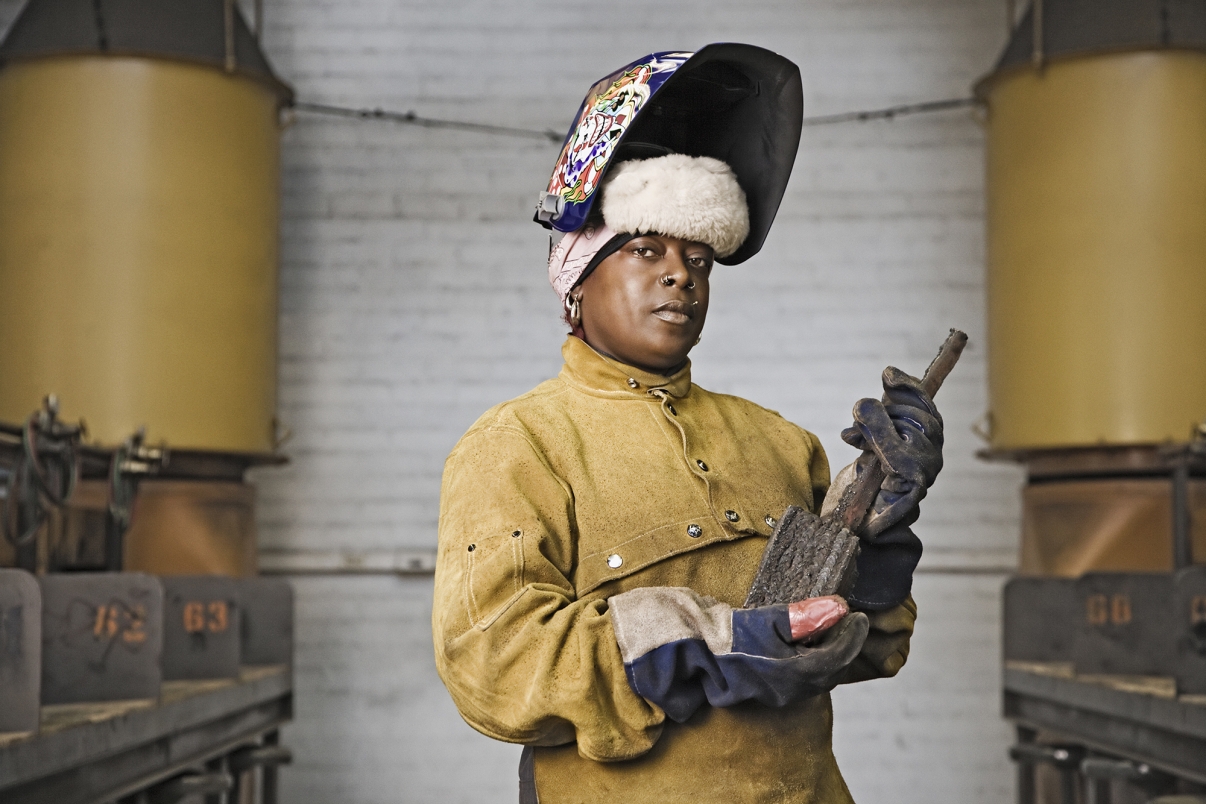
[1100, 609]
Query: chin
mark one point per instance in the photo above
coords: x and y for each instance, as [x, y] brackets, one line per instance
[667, 358]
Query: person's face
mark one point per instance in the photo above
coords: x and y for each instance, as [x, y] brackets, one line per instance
[645, 304]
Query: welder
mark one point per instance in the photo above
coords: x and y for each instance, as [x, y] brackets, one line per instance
[599, 533]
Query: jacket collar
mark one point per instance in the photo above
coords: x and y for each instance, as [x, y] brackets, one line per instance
[589, 371]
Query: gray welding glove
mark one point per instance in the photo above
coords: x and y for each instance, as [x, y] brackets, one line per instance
[905, 434]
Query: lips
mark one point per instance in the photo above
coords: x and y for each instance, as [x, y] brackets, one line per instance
[675, 311]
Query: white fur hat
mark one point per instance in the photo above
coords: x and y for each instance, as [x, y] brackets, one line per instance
[691, 197]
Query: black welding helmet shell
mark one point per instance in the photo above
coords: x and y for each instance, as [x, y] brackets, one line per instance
[737, 103]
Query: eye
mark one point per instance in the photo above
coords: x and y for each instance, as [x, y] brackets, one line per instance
[643, 251]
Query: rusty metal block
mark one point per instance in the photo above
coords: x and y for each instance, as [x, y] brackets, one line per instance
[20, 651]
[102, 636]
[267, 620]
[1189, 598]
[1125, 624]
[201, 627]
[1040, 619]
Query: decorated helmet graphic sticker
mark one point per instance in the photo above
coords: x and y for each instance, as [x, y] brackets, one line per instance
[609, 109]
[741, 104]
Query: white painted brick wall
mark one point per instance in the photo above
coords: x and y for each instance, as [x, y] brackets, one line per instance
[414, 297]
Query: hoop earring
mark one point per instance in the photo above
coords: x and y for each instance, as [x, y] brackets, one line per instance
[575, 312]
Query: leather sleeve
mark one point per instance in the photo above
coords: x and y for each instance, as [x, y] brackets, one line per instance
[523, 659]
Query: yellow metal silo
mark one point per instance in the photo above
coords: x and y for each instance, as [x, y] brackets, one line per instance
[1095, 122]
[139, 172]
[1096, 174]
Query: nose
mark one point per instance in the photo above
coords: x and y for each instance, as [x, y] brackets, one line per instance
[674, 270]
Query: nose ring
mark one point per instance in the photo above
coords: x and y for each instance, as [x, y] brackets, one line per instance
[667, 281]
[690, 286]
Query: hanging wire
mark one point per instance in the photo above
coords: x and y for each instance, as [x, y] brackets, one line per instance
[410, 118]
[549, 135]
[891, 112]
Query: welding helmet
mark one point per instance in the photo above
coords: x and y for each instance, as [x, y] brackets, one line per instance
[737, 103]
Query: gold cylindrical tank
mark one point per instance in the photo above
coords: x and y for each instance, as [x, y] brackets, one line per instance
[138, 248]
[1096, 171]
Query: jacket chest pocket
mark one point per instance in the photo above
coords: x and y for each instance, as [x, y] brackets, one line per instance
[493, 576]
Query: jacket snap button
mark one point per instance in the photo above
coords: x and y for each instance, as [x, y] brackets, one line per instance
[517, 534]
[732, 516]
[694, 531]
[472, 547]
[614, 561]
[703, 466]
[670, 408]
[770, 520]
[633, 383]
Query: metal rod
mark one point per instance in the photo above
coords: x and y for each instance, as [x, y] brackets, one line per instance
[115, 545]
[1102, 791]
[268, 773]
[216, 767]
[1181, 536]
[862, 492]
[27, 553]
[1036, 18]
[1027, 792]
[1067, 786]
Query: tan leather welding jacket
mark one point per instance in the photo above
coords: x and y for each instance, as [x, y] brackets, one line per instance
[602, 480]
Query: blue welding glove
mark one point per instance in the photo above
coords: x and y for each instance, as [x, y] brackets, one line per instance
[681, 650]
[885, 568]
[905, 435]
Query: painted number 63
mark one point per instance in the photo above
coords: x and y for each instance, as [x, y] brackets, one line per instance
[206, 615]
